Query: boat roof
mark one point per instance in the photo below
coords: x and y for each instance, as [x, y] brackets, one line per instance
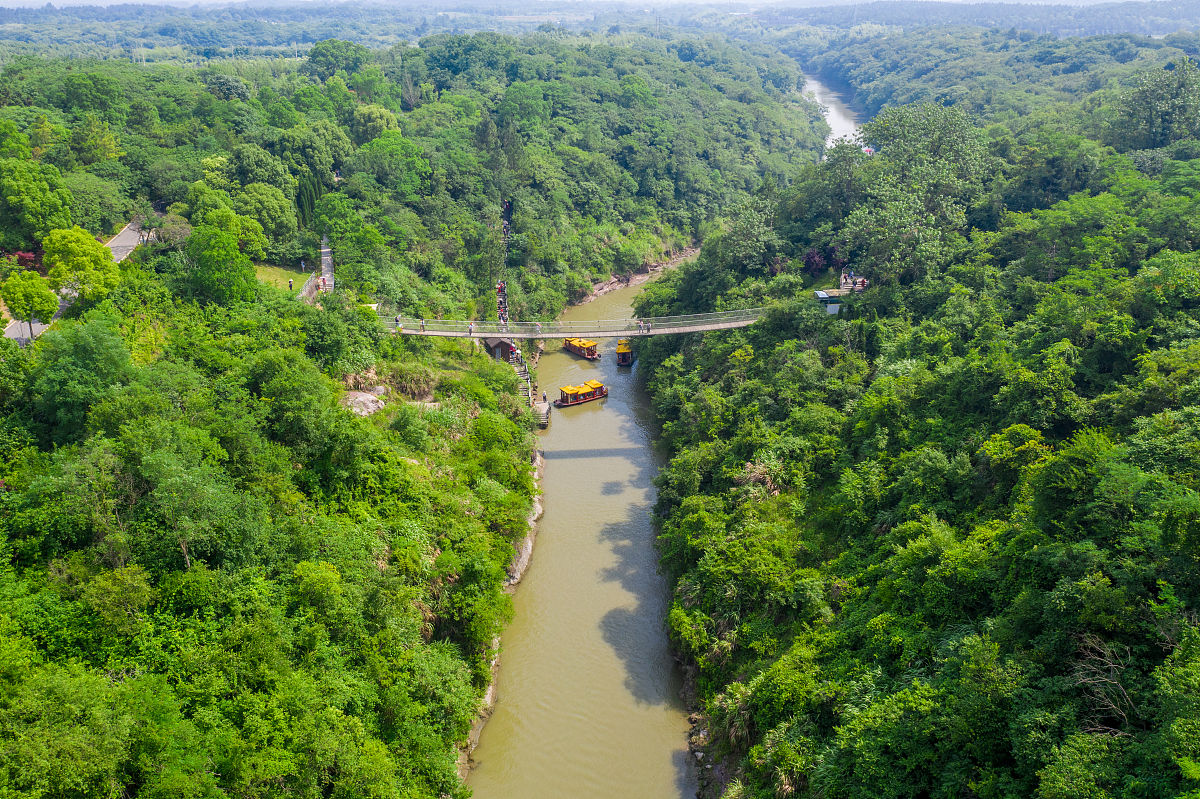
[623, 346]
[593, 384]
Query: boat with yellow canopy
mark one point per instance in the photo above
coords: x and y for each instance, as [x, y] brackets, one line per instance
[577, 395]
[584, 347]
[624, 353]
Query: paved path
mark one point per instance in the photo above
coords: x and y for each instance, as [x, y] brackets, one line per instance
[326, 264]
[120, 245]
[604, 328]
[124, 242]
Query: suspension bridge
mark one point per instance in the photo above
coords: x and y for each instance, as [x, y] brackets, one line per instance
[603, 328]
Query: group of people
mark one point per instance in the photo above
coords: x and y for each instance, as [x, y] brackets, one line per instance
[518, 360]
[644, 326]
[502, 301]
[400, 324]
[849, 281]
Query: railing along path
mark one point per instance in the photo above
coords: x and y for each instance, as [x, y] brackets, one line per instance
[603, 328]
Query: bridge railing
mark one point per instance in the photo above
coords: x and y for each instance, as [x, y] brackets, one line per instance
[583, 328]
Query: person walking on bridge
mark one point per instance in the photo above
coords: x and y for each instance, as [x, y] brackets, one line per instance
[470, 328]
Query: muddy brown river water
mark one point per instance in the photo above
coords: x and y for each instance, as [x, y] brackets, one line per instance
[842, 119]
[588, 694]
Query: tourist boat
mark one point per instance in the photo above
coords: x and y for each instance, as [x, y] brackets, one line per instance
[576, 395]
[624, 353]
[582, 346]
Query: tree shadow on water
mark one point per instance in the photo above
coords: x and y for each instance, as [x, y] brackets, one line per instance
[637, 632]
[638, 635]
[685, 773]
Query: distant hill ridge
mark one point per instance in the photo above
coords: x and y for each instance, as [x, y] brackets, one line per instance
[1082, 19]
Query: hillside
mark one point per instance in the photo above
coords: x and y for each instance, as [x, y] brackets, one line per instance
[943, 542]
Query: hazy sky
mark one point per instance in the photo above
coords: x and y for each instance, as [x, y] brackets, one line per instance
[426, 4]
[475, 3]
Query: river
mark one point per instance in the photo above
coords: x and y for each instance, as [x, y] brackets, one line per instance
[588, 694]
[843, 121]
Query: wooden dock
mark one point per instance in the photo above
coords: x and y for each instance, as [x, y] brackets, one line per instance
[542, 409]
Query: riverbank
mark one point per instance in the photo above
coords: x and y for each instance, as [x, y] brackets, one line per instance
[714, 774]
[638, 278]
[516, 570]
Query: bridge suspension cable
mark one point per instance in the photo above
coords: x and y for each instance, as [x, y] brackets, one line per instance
[603, 328]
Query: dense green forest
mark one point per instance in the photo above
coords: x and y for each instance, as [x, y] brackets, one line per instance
[611, 156]
[992, 74]
[215, 579]
[944, 543]
[940, 544]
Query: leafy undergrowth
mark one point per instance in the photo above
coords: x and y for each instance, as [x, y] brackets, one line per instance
[217, 581]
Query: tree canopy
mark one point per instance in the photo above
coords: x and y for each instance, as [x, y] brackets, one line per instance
[940, 542]
[79, 264]
[28, 296]
[219, 271]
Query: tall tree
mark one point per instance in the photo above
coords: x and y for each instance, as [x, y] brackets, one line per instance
[270, 208]
[76, 365]
[28, 296]
[33, 201]
[13, 143]
[219, 270]
[80, 264]
[370, 121]
[328, 56]
[252, 164]
[396, 162]
[1163, 107]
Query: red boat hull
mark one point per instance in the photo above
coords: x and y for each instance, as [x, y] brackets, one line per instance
[591, 356]
[558, 403]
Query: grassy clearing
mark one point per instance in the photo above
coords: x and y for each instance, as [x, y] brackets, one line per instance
[278, 277]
